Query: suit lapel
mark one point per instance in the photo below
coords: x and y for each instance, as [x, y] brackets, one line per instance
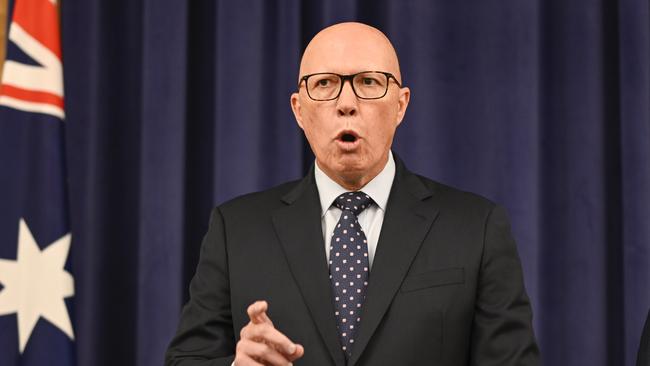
[298, 226]
[409, 215]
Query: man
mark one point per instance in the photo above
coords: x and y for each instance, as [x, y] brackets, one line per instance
[361, 262]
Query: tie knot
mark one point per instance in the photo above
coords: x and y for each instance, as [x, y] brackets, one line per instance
[353, 201]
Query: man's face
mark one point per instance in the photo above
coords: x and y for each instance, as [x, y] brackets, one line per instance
[350, 137]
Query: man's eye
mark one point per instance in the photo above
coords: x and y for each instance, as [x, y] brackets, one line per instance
[369, 81]
[323, 82]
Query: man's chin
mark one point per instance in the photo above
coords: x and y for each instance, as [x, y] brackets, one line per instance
[350, 164]
[344, 164]
[352, 171]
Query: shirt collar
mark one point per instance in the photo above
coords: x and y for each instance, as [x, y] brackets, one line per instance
[378, 188]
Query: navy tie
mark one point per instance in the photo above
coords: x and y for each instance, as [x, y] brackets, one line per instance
[349, 266]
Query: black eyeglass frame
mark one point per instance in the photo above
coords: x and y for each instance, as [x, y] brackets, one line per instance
[349, 78]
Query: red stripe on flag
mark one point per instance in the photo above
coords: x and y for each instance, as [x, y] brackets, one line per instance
[40, 18]
[31, 96]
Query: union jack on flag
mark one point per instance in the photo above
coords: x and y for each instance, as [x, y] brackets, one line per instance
[36, 281]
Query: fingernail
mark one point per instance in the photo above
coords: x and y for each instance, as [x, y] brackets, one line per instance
[291, 349]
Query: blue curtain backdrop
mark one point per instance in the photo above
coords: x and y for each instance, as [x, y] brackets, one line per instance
[542, 105]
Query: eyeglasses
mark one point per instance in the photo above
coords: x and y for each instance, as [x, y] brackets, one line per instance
[325, 86]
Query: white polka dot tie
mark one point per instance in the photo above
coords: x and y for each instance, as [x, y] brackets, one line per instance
[349, 266]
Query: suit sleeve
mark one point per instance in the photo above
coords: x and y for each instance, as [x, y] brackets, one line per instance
[502, 331]
[205, 333]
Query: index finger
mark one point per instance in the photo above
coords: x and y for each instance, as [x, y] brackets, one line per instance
[257, 312]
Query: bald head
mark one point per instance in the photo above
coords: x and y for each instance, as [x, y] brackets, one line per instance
[348, 48]
[350, 135]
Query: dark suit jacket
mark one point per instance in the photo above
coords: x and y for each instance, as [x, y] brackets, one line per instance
[643, 357]
[446, 284]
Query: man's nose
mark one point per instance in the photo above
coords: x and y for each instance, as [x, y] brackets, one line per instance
[346, 104]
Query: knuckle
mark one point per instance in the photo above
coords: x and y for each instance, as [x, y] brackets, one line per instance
[241, 346]
[264, 350]
[263, 330]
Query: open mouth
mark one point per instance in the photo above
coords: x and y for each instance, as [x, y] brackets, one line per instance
[348, 140]
[348, 137]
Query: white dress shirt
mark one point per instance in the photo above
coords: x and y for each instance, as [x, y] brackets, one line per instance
[370, 219]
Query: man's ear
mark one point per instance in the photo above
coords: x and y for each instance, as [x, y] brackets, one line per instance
[402, 103]
[296, 108]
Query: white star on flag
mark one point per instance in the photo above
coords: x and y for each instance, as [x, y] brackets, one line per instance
[36, 284]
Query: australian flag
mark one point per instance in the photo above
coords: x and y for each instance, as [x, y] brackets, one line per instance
[36, 277]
